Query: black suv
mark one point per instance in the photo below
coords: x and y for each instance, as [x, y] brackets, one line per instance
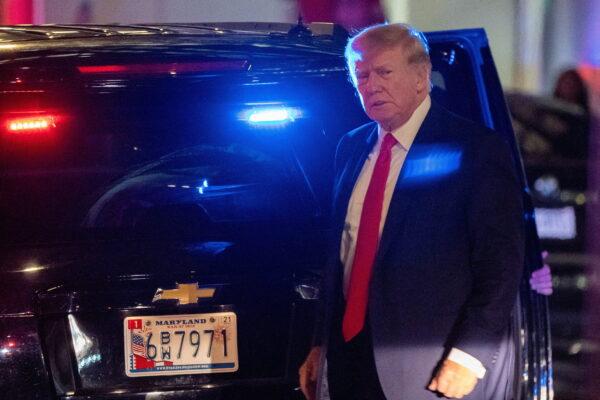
[165, 192]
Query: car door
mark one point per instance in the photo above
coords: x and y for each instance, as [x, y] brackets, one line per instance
[466, 82]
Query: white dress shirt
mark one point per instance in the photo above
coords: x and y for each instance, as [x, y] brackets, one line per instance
[405, 136]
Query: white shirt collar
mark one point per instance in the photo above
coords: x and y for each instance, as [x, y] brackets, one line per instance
[405, 134]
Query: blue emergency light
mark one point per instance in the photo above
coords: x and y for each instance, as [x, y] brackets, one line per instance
[270, 115]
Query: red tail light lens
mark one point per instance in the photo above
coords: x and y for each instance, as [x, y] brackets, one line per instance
[165, 68]
[31, 124]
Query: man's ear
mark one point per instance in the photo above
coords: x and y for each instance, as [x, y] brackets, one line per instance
[423, 72]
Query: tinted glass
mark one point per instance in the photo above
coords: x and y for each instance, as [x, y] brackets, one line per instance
[178, 156]
[174, 158]
[454, 85]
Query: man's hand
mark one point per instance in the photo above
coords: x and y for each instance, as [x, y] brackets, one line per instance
[308, 373]
[541, 279]
[453, 380]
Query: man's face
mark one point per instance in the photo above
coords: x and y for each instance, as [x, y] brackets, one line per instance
[390, 87]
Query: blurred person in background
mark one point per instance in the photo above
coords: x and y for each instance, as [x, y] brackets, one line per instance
[351, 14]
[571, 87]
[555, 127]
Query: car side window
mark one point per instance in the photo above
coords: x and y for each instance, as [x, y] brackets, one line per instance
[454, 86]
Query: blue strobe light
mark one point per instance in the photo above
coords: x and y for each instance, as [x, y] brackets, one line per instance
[270, 116]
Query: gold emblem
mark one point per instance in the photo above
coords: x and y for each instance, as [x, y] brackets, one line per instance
[186, 293]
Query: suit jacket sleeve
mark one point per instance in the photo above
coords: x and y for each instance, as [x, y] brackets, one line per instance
[496, 242]
[328, 289]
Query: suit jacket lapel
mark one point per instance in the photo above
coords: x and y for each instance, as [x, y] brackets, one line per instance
[349, 175]
[401, 198]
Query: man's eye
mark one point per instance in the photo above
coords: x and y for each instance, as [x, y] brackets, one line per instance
[385, 72]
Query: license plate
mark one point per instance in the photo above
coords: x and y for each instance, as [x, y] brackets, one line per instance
[180, 344]
[556, 223]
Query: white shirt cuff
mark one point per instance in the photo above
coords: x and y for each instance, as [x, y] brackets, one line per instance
[467, 361]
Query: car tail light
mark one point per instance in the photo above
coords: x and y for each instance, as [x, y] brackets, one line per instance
[164, 68]
[31, 124]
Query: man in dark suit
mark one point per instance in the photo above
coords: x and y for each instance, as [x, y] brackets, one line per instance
[428, 240]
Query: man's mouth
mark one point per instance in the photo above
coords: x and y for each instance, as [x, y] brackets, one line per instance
[378, 103]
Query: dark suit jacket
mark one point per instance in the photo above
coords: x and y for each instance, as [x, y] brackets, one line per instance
[450, 257]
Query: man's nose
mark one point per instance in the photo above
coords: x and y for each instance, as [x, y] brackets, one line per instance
[372, 85]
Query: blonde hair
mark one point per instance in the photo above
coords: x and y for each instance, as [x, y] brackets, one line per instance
[387, 36]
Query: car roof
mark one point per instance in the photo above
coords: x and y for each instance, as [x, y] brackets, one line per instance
[314, 36]
[266, 48]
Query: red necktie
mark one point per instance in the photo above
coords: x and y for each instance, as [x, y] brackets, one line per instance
[366, 243]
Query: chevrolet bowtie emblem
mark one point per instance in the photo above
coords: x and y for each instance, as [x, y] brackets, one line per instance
[186, 293]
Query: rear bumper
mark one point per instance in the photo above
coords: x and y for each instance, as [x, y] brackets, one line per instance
[265, 389]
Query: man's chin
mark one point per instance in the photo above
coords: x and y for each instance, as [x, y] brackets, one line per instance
[380, 118]
[387, 122]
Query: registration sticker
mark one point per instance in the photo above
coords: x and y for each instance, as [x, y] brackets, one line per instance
[180, 344]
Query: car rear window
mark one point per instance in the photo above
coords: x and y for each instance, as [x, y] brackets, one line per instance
[131, 155]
